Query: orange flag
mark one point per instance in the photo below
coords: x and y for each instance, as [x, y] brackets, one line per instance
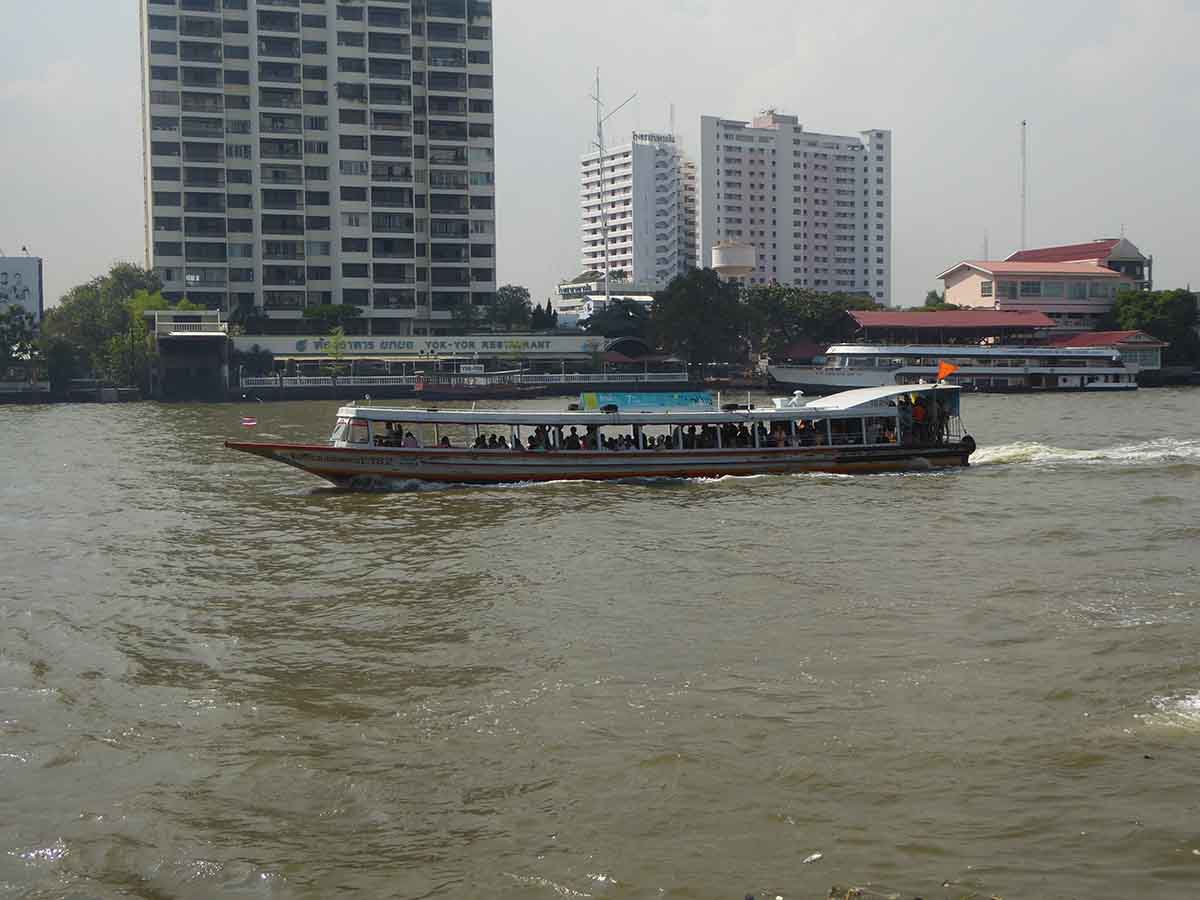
[945, 370]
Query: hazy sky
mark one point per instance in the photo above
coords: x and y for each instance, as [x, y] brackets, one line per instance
[1110, 88]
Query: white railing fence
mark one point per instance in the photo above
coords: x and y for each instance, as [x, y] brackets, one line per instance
[24, 387]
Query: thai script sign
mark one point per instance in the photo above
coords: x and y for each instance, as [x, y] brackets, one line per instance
[472, 345]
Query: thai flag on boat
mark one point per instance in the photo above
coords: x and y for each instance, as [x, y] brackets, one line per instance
[249, 421]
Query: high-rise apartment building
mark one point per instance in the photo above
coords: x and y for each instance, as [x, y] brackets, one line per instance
[309, 152]
[817, 207]
[648, 190]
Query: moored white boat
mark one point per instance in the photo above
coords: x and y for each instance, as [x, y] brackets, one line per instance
[980, 368]
[871, 430]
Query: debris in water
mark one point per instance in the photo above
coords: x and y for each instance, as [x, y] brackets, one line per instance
[815, 857]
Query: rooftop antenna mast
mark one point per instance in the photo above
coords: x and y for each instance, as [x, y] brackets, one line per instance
[1024, 182]
[601, 118]
[986, 251]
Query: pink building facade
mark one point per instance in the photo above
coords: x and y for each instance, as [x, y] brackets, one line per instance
[1076, 296]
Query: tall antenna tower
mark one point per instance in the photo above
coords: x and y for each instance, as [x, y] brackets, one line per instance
[601, 118]
[1024, 184]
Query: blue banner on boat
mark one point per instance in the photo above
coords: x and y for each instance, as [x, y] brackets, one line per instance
[648, 402]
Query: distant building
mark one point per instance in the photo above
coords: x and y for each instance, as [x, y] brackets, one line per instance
[1136, 347]
[817, 207]
[1117, 254]
[21, 284]
[1076, 295]
[647, 188]
[302, 154]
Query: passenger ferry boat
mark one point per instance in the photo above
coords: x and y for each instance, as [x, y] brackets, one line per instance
[996, 369]
[882, 429]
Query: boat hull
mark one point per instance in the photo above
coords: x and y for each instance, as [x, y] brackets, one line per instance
[366, 467]
[818, 381]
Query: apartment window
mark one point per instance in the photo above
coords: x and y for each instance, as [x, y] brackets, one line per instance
[985, 289]
[163, 48]
[313, 20]
[234, 52]
[1053, 288]
[356, 270]
[317, 223]
[316, 198]
[316, 98]
[352, 117]
[163, 23]
[318, 48]
[353, 167]
[352, 141]
[349, 39]
[316, 123]
[316, 173]
[315, 73]
[236, 102]
[320, 147]
[1031, 289]
[351, 64]
[355, 245]
[352, 220]
[481, 82]
[479, 57]
[164, 73]
[354, 194]
[233, 26]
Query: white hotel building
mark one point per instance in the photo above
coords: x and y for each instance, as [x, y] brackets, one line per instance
[306, 152]
[817, 207]
[648, 189]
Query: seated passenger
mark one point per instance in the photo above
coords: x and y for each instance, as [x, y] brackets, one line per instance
[410, 440]
[480, 443]
[501, 443]
[444, 442]
[571, 441]
[491, 442]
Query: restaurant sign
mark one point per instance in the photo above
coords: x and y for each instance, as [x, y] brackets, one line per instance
[468, 345]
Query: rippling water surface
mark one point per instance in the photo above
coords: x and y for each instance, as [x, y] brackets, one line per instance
[218, 678]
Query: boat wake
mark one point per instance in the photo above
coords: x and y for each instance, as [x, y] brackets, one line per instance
[1164, 451]
[1175, 712]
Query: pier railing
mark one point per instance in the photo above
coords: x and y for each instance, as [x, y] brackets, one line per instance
[24, 387]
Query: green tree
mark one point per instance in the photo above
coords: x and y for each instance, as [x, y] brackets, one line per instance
[1170, 316]
[621, 318]
[328, 317]
[63, 360]
[699, 318]
[335, 351]
[511, 309]
[467, 316]
[777, 316]
[89, 315]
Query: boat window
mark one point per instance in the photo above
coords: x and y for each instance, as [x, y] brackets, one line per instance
[360, 432]
[339, 431]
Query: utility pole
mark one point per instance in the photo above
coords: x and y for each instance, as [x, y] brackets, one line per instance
[601, 118]
[1024, 182]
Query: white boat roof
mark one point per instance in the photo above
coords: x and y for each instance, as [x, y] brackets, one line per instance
[847, 404]
[860, 397]
[949, 351]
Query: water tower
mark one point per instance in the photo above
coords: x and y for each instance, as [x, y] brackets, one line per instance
[734, 259]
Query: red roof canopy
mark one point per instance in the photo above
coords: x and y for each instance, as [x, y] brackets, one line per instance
[967, 319]
[1108, 339]
[1067, 252]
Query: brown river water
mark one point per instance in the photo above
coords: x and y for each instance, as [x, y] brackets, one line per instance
[220, 679]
